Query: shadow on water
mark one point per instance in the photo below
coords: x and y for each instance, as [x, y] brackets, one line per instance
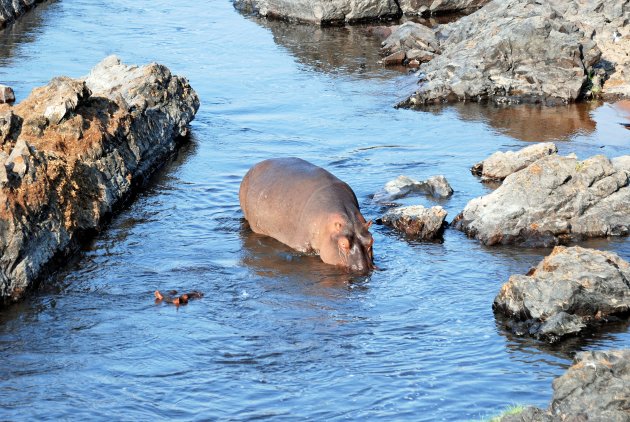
[24, 30]
[564, 349]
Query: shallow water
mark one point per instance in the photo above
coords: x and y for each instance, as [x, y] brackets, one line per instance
[279, 334]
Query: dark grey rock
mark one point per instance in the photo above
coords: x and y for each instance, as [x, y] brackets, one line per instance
[552, 201]
[595, 388]
[10, 10]
[417, 221]
[571, 289]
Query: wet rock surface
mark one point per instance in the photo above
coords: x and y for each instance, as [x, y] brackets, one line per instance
[554, 200]
[416, 221]
[73, 152]
[594, 388]
[508, 52]
[402, 186]
[10, 10]
[570, 290]
[501, 164]
[321, 11]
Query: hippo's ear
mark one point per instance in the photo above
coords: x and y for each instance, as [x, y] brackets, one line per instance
[368, 225]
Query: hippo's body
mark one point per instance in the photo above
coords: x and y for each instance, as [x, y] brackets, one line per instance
[308, 209]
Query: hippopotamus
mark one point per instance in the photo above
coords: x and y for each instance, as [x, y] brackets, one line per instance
[308, 209]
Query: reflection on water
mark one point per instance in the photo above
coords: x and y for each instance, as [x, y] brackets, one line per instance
[534, 123]
[277, 332]
[24, 30]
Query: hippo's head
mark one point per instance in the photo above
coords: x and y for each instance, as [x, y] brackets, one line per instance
[349, 245]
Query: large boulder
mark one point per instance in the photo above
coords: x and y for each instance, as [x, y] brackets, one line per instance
[416, 221]
[594, 388]
[501, 164]
[554, 200]
[509, 52]
[571, 289]
[74, 150]
[321, 11]
[10, 10]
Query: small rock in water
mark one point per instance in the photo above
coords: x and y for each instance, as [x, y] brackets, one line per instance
[501, 164]
[571, 289]
[417, 221]
[402, 186]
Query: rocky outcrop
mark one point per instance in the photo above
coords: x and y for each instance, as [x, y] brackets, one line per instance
[509, 52]
[410, 42]
[552, 201]
[594, 388]
[416, 221]
[501, 164]
[570, 290]
[321, 12]
[402, 186]
[607, 22]
[10, 10]
[432, 7]
[326, 12]
[73, 151]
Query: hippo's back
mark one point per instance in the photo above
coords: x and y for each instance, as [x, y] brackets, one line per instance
[279, 194]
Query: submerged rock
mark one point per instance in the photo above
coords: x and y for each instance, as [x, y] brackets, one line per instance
[321, 11]
[417, 221]
[501, 164]
[10, 10]
[75, 150]
[571, 289]
[594, 388]
[403, 186]
[552, 201]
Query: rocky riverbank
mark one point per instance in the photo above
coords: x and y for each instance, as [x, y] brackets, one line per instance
[10, 10]
[73, 152]
[522, 51]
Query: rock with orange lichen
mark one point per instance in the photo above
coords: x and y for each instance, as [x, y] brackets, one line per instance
[73, 151]
[552, 201]
[570, 290]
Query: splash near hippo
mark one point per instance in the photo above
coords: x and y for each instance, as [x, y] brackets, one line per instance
[308, 209]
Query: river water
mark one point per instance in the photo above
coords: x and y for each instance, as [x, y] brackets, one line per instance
[279, 335]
